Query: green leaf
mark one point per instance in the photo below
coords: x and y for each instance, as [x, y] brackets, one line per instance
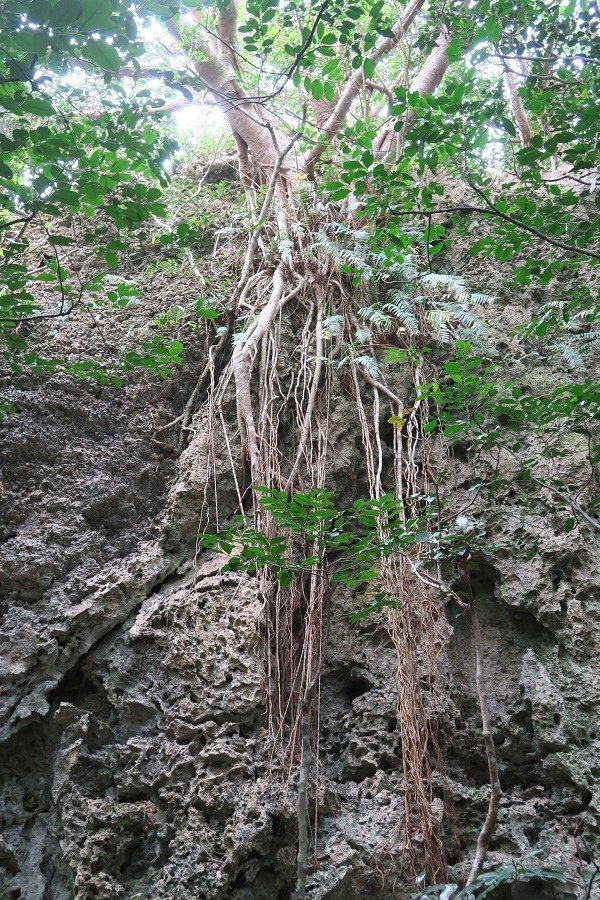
[339, 194]
[317, 89]
[69, 198]
[38, 107]
[454, 50]
[130, 27]
[508, 126]
[493, 30]
[102, 54]
[205, 310]
[39, 12]
[96, 15]
[368, 68]
[59, 240]
[65, 13]
[31, 41]
[285, 577]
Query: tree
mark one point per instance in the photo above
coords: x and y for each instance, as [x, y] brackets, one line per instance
[357, 125]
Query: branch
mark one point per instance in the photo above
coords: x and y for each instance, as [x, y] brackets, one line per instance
[553, 58]
[227, 32]
[380, 88]
[349, 94]
[27, 218]
[309, 39]
[491, 210]
[425, 82]
[529, 228]
[517, 105]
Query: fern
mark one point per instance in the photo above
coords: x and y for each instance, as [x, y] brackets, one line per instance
[587, 337]
[518, 872]
[369, 364]
[284, 247]
[401, 307]
[362, 335]
[375, 316]
[297, 229]
[466, 318]
[451, 283]
[481, 299]
[333, 326]
[572, 358]
[438, 319]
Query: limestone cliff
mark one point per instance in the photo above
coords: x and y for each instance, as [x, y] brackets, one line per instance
[135, 759]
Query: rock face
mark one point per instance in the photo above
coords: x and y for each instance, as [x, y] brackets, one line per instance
[135, 758]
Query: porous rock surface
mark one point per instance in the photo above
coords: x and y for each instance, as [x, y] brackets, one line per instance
[135, 759]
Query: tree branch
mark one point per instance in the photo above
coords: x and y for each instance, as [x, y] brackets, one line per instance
[350, 92]
[491, 210]
[425, 82]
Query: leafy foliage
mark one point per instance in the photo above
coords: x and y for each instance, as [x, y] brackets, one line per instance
[498, 149]
[476, 409]
[520, 871]
[100, 165]
[345, 544]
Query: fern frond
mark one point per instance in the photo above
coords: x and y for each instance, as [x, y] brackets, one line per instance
[284, 247]
[368, 363]
[569, 354]
[481, 299]
[438, 319]
[362, 335]
[451, 283]
[465, 317]
[375, 316]
[586, 337]
[333, 326]
[403, 310]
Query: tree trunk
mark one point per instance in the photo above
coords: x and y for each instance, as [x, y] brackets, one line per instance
[517, 106]
[426, 82]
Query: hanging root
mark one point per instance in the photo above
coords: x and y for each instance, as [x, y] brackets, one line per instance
[242, 361]
[312, 395]
[215, 354]
[413, 625]
[278, 400]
